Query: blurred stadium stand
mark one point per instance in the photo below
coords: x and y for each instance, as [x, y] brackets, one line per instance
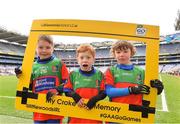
[12, 48]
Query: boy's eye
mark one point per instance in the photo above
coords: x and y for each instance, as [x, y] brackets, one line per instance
[118, 52]
[40, 47]
[87, 57]
[48, 47]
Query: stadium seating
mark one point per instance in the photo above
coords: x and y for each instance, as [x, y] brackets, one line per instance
[11, 48]
[11, 54]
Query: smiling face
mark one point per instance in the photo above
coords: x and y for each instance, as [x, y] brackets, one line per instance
[44, 49]
[85, 60]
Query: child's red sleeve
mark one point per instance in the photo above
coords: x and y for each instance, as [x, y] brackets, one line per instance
[64, 73]
[102, 86]
[69, 85]
[109, 79]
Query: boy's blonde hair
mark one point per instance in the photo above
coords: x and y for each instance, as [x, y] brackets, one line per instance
[122, 45]
[47, 38]
[85, 47]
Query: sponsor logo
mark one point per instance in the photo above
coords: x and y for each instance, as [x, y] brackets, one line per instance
[55, 68]
[140, 31]
[43, 69]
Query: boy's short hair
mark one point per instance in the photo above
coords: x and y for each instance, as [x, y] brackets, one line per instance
[47, 38]
[84, 48]
[122, 45]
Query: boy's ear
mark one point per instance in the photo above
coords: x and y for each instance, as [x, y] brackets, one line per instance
[113, 54]
[36, 51]
[77, 59]
[94, 59]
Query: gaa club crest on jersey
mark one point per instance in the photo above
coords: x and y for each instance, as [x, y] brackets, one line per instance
[55, 68]
[43, 69]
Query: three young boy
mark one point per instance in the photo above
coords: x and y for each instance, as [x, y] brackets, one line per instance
[123, 82]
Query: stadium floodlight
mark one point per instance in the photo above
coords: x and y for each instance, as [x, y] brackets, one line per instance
[104, 110]
[177, 22]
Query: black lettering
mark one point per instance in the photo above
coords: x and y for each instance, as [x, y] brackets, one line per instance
[118, 117]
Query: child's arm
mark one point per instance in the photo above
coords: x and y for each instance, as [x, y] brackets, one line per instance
[64, 73]
[157, 84]
[55, 91]
[18, 71]
[101, 95]
[76, 97]
[139, 89]
[111, 91]
[92, 102]
[68, 90]
[116, 92]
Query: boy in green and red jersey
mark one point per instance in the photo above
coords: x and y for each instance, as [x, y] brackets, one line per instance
[125, 81]
[85, 82]
[48, 73]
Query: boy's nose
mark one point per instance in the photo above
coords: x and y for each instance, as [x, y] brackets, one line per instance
[85, 61]
[121, 54]
[43, 50]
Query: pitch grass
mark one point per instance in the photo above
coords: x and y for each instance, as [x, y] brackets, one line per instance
[172, 93]
[8, 113]
[7, 105]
